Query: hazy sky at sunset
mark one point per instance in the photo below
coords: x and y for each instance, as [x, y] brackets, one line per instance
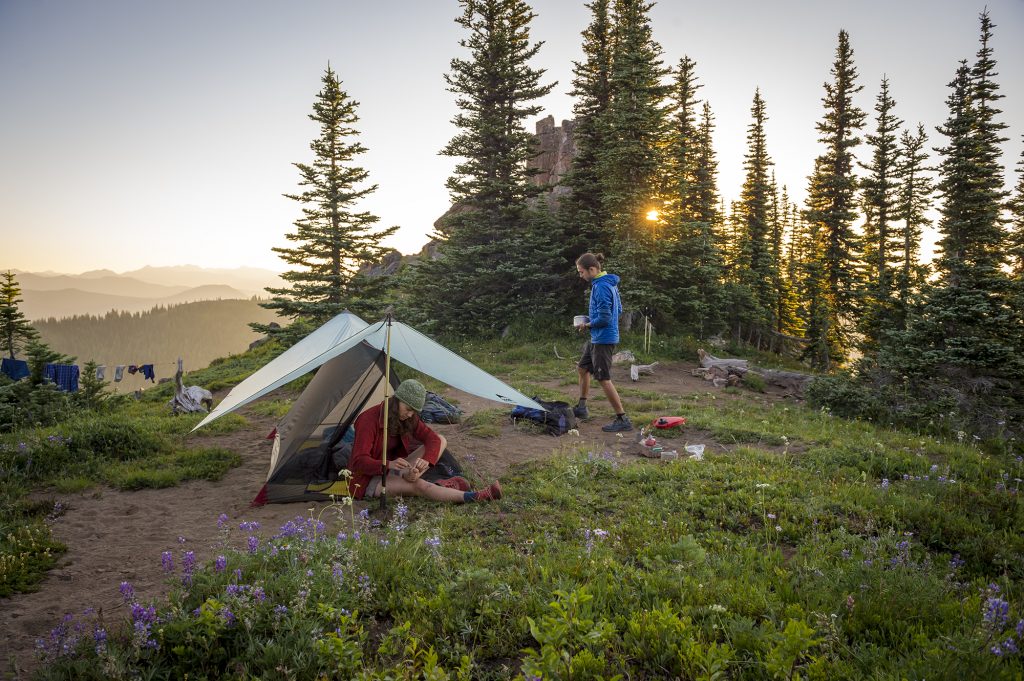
[160, 133]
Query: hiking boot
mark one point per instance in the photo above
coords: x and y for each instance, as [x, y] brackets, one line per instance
[456, 482]
[621, 424]
[580, 412]
[492, 493]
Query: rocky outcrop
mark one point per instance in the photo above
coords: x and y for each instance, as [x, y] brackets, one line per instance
[557, 150]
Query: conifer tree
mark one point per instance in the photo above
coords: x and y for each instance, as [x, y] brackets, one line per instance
[913, 202]
[15, 330]
[756, 271]
[494, 252]
[1016, 237]
[333, 240]
[632, 161]
[691, 211]
[586, 223]
[881, 241]
[831, 203]
[786, 303]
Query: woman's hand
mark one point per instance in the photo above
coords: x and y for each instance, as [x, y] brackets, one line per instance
[413, 473]
[398, 464]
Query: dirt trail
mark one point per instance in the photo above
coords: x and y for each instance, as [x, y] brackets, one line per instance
[117, 536]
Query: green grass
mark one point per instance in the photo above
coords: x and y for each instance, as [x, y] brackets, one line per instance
[802, 546]
[485, 423]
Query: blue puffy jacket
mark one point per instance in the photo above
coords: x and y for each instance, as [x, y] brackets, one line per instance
[605, 308]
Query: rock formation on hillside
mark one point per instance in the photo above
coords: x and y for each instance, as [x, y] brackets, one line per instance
[556, 147]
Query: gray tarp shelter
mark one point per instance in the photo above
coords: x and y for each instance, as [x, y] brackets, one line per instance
[350, 355]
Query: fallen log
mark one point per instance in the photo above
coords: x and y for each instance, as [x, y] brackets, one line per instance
[730, 371]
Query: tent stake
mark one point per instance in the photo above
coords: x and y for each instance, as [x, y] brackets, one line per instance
[384, 447]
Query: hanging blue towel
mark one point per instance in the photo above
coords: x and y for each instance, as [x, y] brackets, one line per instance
[16, 369]
[64, 375]
[147, 372]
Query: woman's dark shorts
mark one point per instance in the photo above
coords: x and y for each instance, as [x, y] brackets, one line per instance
[597, 359]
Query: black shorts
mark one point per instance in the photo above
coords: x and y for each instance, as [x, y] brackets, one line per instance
[597, 359]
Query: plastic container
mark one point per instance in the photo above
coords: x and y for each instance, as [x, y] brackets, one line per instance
[669, 455]
[579, 320]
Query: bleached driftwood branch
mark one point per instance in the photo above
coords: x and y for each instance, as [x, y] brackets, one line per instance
[636, 370]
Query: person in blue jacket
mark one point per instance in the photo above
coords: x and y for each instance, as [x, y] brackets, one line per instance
[605, 308]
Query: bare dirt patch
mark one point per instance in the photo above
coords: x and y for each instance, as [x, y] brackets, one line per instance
[117, 536]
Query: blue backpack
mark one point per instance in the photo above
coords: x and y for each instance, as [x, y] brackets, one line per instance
[556, 418]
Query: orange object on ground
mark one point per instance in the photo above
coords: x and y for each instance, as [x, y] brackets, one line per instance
[668, 421]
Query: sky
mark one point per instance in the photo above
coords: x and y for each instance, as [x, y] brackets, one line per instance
[136, 132]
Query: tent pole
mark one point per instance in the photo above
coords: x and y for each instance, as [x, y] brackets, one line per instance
[384, 447]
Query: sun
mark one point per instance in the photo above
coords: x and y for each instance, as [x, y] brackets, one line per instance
[653, 215]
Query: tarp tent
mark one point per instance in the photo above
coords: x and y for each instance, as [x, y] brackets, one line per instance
[351, 356]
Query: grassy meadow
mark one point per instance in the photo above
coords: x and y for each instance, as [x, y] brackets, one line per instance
[805, 546]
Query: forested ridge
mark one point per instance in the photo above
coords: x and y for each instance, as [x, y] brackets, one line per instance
[197, 332]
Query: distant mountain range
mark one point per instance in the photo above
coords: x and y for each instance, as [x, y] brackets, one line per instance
[55, 295]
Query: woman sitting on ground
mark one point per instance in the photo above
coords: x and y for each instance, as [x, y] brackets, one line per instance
[404, 467]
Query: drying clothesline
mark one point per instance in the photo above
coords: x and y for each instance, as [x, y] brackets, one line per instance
[66, 376]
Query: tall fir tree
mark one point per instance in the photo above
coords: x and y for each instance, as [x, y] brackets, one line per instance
[631, 163]
[912, 205]
[1016, 208]
[786, 302]
[494, 252]
[583, 214]
[756, 271]
[15, 330]
[831, 209]
[333, 240]
[690, 213]
[881, 240]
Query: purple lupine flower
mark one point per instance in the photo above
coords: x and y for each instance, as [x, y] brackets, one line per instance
[433, 542]
[222, 520]
[167, 561]
[99, 637]
[385, 542]
[997, 651]
[181, 540]
[254, 543]
[238, 574]
[127, 592]
[955, 563]
[258, 593]
[885, 483]
[235, 589]
[309, 573]
[846, 553]
[1020, 628]
[338, 573]
[771, 516]
[227, 616]
[280, 610]
[342, 537]
[365, 514]
[249, 526]
[188, 561]
[1010, 646]
[220, 564]
[996, 612]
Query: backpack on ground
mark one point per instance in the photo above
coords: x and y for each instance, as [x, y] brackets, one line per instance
[438, 410]
[556, 418]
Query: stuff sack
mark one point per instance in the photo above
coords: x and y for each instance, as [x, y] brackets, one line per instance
[437, 410]
[558, 418]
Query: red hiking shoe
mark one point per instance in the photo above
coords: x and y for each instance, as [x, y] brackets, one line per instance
[456, 482]
[491, 493]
